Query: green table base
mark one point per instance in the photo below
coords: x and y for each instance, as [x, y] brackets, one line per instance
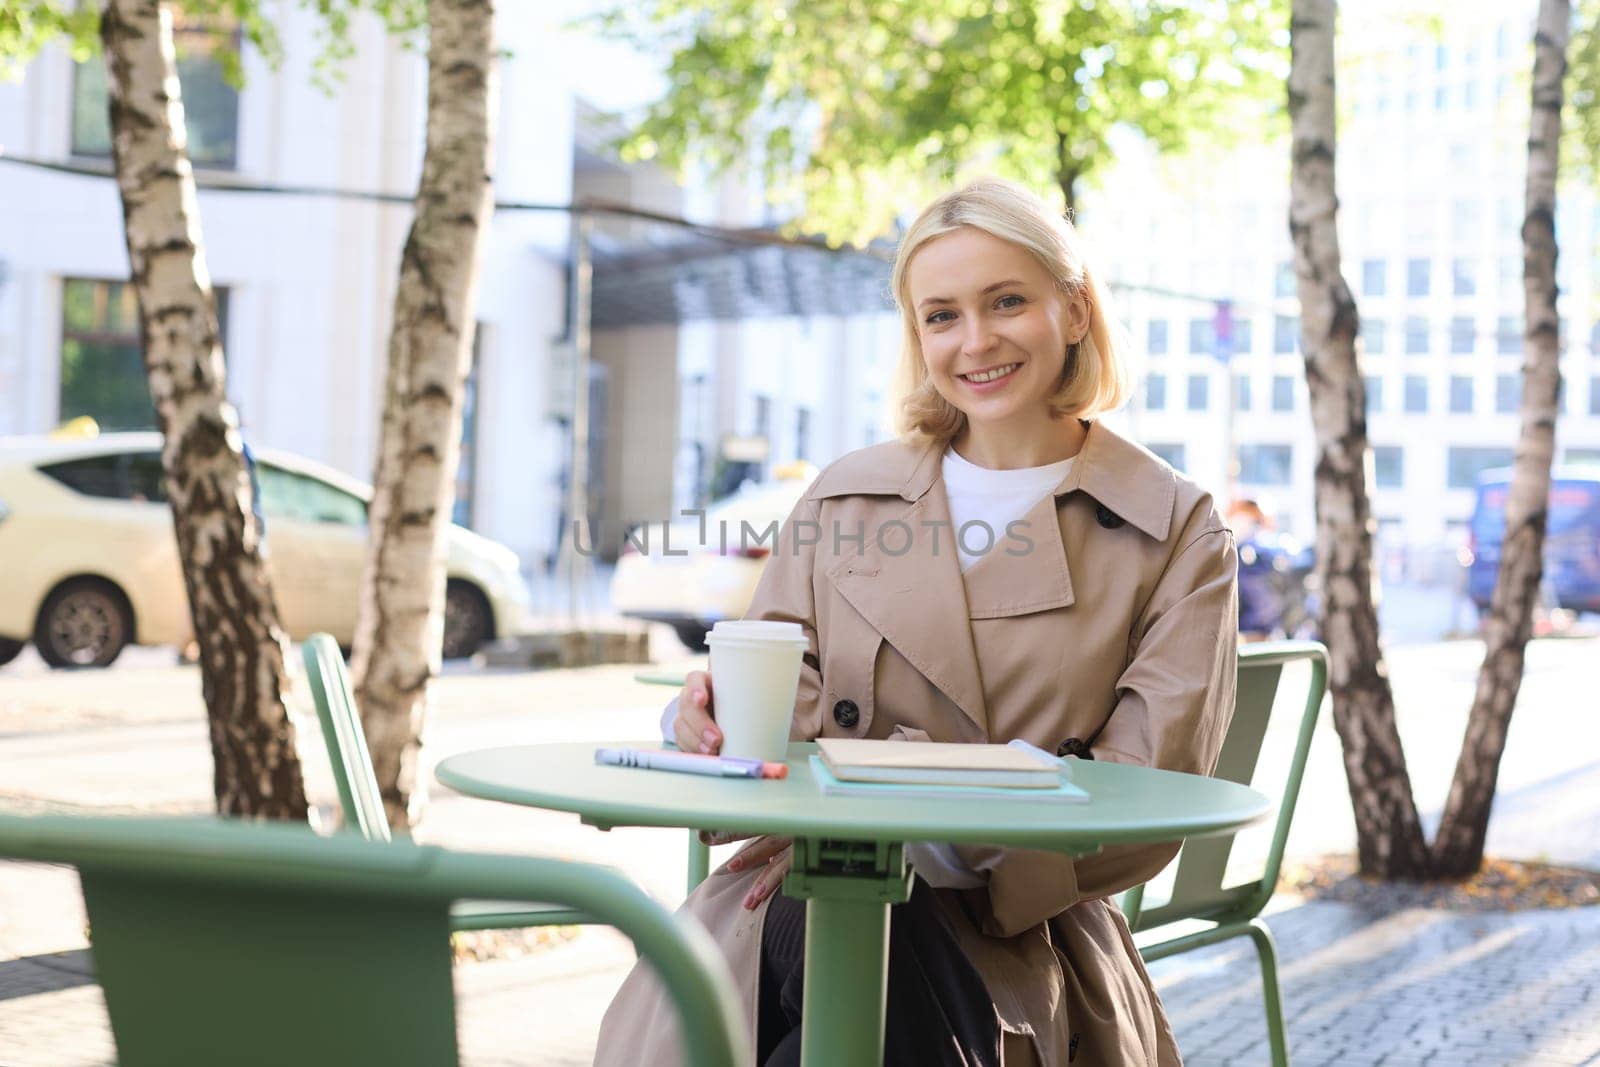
[848, 887]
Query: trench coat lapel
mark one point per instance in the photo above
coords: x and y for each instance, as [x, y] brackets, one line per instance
[1025, 572]
[916, 599]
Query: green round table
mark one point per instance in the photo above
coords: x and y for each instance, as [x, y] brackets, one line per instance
[849, 864]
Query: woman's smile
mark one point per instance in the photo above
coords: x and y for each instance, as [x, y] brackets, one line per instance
[990, 379]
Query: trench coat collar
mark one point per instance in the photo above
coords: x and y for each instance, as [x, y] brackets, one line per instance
[1127, 479]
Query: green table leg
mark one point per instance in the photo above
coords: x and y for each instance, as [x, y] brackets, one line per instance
[848, 887]
[699, 860]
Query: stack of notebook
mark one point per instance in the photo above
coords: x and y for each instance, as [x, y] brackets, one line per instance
[1018, 771]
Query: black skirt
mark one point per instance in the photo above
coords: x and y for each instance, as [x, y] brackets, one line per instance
[938, 1012]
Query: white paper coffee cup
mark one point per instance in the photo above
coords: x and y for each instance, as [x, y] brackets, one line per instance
[755, 671]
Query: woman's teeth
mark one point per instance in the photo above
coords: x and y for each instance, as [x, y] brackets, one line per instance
[991, 375]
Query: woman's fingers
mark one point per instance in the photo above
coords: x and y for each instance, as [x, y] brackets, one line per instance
[771, 877]
[695, 728]
[757, 852]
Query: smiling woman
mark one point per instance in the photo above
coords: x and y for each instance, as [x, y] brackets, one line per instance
[1010, 569]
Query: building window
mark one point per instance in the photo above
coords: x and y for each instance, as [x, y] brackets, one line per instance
[1464, 464]
[210, 104]
[1464, 216]
[1285, 334]
[1199, 392]
[1463, 277]
[1265, 464]
[1241, 392]
[1282, 392]
[1155, 392]
[1243, 339]
[1172, 454]
[1374, 387]
[1594, 396]
[1417, 277]
[1461, 339]
[1388, 466]
[763, 417]
[1285, 284]
[1416, 335]
[1507, 393]
[102, 365]
[1416, 394]
[802, 433]
[1372, 337]
[1460, 394]
[1202, 339]
[1508, 336]
[1156, 337]
[1374, 277]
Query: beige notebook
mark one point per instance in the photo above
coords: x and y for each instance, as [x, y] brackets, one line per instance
[1015, 765]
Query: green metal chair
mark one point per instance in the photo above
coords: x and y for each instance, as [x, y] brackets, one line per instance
[1203, 909]
[361, 801]
[259, 945]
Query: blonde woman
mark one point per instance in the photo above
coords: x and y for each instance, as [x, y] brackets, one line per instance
[1061, 585]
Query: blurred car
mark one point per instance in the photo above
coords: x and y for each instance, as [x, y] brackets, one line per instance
[671, 573]
[92, 562]
[1571, 542]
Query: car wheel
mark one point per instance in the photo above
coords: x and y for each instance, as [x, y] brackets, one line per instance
[84, 623]
[467, 622]
[9, 650]
[692, 634]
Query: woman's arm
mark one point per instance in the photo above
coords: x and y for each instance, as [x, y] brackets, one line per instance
[1174, 701]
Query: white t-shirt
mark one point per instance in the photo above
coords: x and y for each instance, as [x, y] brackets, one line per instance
[984, 502]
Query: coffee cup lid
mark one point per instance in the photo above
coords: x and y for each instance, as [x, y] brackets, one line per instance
[761, 631]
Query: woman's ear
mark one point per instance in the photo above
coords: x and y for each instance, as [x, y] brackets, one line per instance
[1079, 313]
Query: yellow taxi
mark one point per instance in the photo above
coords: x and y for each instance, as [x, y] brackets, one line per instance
[91, 562]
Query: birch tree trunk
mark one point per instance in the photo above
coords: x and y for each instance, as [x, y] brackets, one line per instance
[1389, 835]
[401, 617]
[231, 604]
[1458, 848]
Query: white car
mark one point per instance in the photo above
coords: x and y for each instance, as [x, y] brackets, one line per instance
[690, 581]
[91, 563]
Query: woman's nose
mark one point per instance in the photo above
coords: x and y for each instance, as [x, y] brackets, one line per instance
[978, 337]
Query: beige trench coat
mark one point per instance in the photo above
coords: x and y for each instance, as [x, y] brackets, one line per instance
[1111, 613]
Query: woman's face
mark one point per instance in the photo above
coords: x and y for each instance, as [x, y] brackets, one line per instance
[994, 327]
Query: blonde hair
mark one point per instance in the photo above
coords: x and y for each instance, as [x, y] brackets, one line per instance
[1094, 378]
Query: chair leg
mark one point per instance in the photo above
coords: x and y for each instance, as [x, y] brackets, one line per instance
[1267, 951]
[699, 860]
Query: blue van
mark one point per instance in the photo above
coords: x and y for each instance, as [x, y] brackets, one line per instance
[1571, 541]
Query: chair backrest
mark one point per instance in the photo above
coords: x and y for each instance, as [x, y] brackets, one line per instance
[359, 797]
[1198, 889]
[256, 945]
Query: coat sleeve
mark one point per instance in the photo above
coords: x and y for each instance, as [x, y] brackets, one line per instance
[785, 594]
[1174, 701]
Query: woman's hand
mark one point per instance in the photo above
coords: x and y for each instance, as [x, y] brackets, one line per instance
[695, 728]
[773, 855]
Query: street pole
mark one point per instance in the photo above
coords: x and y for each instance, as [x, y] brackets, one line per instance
[1222, 331]
[578, 566]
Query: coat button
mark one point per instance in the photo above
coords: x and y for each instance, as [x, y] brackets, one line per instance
[846, 714]
[1107, 518]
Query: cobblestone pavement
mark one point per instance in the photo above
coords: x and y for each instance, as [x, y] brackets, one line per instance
[1408, 987]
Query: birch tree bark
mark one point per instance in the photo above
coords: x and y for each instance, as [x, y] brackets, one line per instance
[1390, 841]
[1458, 847]
[400, 621]
[231, 605]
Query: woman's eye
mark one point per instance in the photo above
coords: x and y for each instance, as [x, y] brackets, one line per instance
[938, 317]
[1009, 301]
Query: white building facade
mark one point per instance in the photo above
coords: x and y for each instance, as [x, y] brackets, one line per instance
[306, 280]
